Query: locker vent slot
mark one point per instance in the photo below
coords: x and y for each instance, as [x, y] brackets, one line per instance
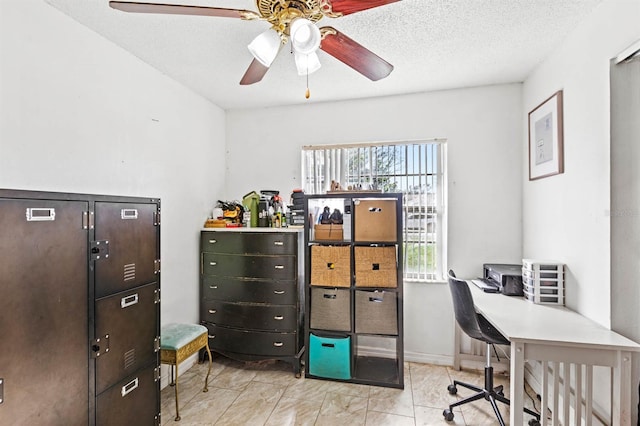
[130, 272]
[129, 358]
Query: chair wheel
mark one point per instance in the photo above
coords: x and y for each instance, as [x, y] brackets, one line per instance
[448, 414]
[534, 422]
[452, 389]
[501, 393]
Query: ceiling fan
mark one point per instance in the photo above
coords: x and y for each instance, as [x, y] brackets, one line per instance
[290, 20]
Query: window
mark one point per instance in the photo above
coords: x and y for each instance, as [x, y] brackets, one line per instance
[416, 169]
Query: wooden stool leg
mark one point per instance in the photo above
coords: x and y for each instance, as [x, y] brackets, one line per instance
[176, 389]
[206, 380]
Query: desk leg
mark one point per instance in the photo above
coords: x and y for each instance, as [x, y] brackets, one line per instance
[457, 343]
[517, 383]
[621, 395]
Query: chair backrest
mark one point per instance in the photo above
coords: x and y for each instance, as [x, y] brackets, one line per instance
[463, 306]
[473, 324]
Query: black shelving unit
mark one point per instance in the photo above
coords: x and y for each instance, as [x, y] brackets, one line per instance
[354, 289]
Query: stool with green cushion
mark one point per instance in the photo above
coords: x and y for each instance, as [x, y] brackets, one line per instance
[177, 343]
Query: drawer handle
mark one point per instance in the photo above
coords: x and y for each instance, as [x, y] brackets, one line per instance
[213, 287]
[212, 311]
[212, 241]
[278, 243]
[129, 387]
[213, 263]
[212, 336]
[125, 302]
[279, 291]
[278, 317]
[278, 344]
[279, 266]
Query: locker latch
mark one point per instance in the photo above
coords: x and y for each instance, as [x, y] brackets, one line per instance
[99, 250]
[1, 390]
[99, 346]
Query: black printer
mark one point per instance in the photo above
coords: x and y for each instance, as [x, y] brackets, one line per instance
[507, 277]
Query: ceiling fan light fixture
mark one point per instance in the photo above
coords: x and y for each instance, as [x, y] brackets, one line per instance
[265, 47]
[307, 64]
[305, 36]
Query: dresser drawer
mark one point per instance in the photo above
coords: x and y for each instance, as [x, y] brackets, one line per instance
[250, 243]
[253, 291]
[262, 343]
[250, 316]
[249, 266]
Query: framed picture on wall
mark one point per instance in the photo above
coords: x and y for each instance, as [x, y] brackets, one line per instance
[546, 152]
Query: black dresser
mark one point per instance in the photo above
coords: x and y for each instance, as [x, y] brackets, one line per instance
[251, 294]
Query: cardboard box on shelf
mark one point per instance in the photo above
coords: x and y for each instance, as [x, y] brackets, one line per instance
[375, 220]
[328, 232]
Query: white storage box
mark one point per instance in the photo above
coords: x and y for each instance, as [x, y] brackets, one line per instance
[543, 281]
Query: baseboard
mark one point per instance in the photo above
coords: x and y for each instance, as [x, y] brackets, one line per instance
[428, 358]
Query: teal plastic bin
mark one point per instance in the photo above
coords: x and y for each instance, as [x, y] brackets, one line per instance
[330, 357]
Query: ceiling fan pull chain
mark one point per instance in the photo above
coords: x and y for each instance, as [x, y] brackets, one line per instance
[307, 93]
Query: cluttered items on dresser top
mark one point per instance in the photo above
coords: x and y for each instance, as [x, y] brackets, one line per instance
[266, 209]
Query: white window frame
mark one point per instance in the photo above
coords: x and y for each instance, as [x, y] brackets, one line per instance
[330, 162]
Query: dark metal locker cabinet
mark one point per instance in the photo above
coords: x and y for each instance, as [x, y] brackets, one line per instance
[126, 327]
[127, 403]
[44, 342]
[126, 246]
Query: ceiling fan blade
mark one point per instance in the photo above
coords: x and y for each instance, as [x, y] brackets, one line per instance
[354, 54]
[254, 73]
[174, 9]
[347, 7]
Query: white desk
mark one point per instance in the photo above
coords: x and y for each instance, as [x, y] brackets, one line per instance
[555, 334]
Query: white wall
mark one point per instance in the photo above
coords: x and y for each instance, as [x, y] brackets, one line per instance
[79, 114]
[566, 217]
[483, 129]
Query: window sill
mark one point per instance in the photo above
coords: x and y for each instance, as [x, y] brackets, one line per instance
[414, 281]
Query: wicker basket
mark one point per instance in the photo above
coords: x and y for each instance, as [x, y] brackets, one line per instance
[330, 266]
[376, 267]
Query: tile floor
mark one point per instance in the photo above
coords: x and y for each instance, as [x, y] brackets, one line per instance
[267, 393]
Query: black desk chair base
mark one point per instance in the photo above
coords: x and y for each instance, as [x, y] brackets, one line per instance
[489, 393]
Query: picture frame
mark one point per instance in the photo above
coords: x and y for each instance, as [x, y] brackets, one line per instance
[546, 139]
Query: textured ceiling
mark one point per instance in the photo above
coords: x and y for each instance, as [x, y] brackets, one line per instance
[433, 45]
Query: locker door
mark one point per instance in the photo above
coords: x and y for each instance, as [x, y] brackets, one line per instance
[129, 232]
[128, 318]
[44, 349]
